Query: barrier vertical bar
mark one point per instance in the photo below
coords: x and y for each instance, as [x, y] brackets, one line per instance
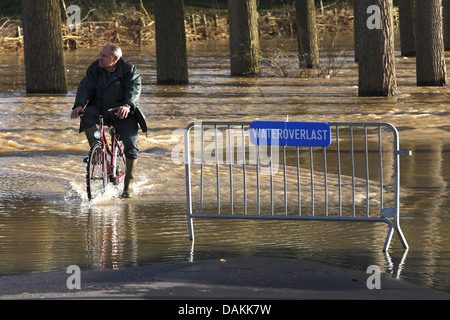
[216, 144]
[325, 182]
[338, 152]
[366, 155]
[285, 181]
[380, 153]
[258, 189]
[397, 188]
[352, 159]
[271, 180]
[187, 163]
[311, 166]
[244, 170]
[299, 199]
[201, 168]
[231, 158]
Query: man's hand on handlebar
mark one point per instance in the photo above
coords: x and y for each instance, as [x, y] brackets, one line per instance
[122, 111]
[76, 112]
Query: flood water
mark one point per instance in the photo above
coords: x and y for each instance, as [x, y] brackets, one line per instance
[47, 224]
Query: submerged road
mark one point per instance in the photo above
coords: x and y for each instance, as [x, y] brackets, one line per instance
[237, 278]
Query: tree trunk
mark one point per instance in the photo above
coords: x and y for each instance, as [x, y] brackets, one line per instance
[308, 49]
[244, 38]
[45, 70]
[376, 50]
[171, 56]
[430, 59]
[356, 19]
[407, 14]
[446, 19]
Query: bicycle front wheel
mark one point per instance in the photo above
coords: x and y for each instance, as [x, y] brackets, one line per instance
[96, 172]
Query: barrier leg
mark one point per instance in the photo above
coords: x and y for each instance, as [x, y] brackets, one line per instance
[402, 237]
[387, 242]
[191, 229]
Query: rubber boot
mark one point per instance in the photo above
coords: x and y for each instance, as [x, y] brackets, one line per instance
[128, 191]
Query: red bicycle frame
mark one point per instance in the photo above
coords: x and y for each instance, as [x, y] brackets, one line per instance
[113, 151]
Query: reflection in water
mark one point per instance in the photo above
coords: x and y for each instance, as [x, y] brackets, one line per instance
[107, 227]
[47, 224]
[428, 178]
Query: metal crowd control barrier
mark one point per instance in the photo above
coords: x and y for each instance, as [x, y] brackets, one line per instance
[354, 178]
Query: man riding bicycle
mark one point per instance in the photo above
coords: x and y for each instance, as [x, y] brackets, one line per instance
[112, 83]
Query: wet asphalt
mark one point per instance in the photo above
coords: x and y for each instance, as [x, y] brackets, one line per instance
[231, 279]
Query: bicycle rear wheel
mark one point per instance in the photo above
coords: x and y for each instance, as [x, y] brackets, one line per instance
[96, 172]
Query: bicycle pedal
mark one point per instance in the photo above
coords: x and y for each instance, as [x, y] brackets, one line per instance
[85, 159]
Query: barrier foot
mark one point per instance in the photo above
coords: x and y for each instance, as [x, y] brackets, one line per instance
[191, 252]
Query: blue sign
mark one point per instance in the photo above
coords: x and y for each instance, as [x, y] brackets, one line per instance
[286, 133]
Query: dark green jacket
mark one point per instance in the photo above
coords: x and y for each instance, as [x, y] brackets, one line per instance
[103, 91]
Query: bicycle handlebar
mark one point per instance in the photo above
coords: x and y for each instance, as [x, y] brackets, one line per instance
[108, 114]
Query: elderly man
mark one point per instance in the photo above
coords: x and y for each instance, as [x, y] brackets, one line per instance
[112, 83]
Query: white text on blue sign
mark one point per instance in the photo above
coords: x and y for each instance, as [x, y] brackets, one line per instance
[286, 133]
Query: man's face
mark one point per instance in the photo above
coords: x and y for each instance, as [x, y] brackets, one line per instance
[105, 60]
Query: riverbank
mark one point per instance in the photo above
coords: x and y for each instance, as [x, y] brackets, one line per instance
[236, 278]
[136, 27]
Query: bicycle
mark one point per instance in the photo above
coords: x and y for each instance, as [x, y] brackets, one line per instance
[105, 162]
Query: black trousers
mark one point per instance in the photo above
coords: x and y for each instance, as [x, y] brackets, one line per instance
[127, 129]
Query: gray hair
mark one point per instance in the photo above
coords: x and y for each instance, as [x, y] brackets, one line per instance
[115, 50]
